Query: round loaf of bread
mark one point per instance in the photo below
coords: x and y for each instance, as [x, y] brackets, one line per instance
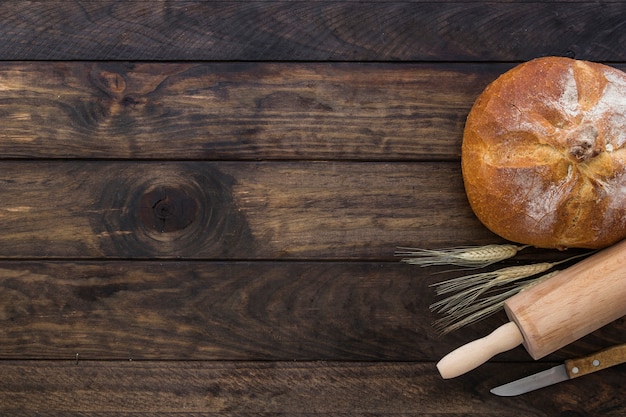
[544, 154]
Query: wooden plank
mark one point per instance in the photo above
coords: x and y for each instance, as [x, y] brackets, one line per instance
[231, 210]
[340, 31]
[290, 388]
[237, 111]
[268, 310]
[234, 310]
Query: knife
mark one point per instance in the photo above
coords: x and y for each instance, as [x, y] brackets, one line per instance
[572, 368]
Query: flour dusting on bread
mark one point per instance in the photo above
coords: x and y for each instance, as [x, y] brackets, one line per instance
[541, 201]
[569, 99]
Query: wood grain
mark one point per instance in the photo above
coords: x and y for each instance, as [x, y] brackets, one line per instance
[229, 210]
[289, 388]
[151, 266]
[237, 111]
[311, 31]
[234, 311]
[210, 311]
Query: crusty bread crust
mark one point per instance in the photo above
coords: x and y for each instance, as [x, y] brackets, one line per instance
[544, 154]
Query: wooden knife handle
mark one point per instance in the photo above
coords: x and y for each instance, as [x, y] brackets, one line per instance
[596, 361]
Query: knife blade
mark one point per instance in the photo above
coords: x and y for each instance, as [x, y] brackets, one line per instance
[572, 368]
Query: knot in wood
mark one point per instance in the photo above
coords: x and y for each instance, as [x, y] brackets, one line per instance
[173, 209]
[112, 83]
[167, 209]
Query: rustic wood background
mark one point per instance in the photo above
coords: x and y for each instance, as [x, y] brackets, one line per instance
[201, 203]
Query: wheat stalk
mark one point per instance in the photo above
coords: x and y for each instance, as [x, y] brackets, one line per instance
[476, 296]
[485, 306]
[478, 311]
[486, 280]
[465, 305]
[478, 257]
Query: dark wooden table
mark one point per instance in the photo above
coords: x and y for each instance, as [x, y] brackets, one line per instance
[201, 202]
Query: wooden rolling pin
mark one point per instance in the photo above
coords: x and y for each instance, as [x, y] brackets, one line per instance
[553, 313]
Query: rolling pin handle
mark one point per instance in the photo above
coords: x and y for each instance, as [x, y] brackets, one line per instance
[475, 353]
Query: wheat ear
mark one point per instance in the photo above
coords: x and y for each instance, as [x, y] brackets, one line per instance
[468, 288]
[485, 307]
[469, 302]
[477, 256]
